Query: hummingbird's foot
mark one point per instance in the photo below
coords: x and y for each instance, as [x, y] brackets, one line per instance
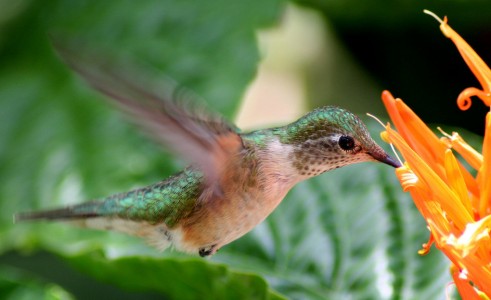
[207, 251]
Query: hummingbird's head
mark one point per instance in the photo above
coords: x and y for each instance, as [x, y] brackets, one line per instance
[329, 138]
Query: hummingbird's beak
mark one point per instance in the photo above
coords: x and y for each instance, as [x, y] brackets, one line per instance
[386, 159]
[391, 162]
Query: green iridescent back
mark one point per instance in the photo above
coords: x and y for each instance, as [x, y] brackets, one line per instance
[167, 201]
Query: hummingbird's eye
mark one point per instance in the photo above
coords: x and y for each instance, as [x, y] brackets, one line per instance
[346, 143]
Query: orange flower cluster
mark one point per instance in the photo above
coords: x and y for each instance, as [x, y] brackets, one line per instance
[455, 204]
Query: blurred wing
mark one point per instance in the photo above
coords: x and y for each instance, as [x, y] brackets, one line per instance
[204, 139]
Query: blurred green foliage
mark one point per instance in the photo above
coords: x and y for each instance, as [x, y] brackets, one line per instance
[348, 234]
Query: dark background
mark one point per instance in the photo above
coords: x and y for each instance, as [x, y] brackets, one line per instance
[404, 50]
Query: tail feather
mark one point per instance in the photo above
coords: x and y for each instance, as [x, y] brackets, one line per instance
[102, 215]
[83, 211]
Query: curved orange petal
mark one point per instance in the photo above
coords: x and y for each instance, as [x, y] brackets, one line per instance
[484, 175]
[456, 181]
[447, 198]
[475, 63]
[466, 291]
[390, 105]
[455, 141]
[464, 99]
[478, 273]
[421, 139]
[418, 190]
[415, 132]
[426, 246]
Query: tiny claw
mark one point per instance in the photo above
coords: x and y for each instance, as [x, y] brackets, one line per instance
[207, 251]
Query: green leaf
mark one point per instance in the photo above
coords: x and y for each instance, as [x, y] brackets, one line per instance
[176, 278]
[17, 285]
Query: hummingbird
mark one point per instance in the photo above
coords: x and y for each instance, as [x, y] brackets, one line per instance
[234, 180]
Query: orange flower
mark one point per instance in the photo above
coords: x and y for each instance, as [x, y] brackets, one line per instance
[475, 63]
[455, 204]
